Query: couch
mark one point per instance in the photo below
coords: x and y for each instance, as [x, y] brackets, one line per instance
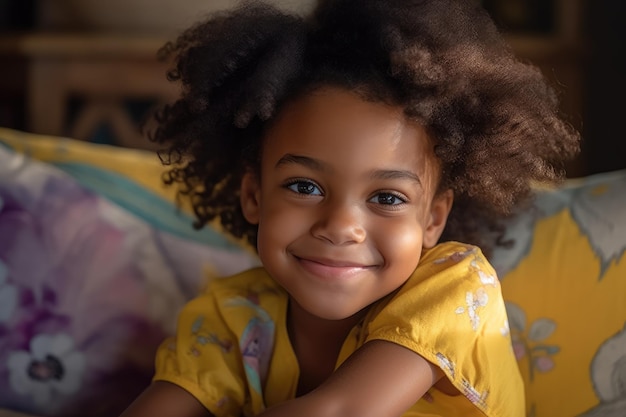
[96, 258]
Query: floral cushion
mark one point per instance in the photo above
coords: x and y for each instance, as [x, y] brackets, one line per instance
[564, 282]
[95, 262]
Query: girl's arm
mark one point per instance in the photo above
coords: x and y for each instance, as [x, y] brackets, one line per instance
[164, 399]
[380, 379]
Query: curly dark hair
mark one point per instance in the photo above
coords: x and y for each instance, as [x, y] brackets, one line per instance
[494, 118]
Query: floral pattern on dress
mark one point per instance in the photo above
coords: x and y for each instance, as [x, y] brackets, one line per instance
[472, 394]
[476, 397]
[505, 330]
[458, 256]
[257, 341]
[474, 302]
[484, 282]
[446, 365]
[202, 337]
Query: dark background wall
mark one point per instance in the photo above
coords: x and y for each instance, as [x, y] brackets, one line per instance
[605, 112]
[590, 71]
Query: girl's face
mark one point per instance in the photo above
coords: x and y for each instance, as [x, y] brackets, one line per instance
[345, 201]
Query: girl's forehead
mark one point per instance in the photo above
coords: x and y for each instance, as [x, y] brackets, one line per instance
[332, 109]
[333, 112]
[341, 126]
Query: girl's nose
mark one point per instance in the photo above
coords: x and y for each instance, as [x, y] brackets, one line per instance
[340, 224]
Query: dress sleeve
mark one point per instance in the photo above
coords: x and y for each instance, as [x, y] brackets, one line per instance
[451, 312]
[203, 358]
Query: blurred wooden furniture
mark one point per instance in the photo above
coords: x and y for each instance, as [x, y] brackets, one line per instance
[561, 51]
[103, 72]
[9, 413]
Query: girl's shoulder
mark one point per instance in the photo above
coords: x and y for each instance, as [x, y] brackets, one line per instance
[253, 289]
[450, 253]
[445, 274]
[453, 264]
[451, 312]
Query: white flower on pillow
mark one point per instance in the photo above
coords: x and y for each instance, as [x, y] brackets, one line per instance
[52, 366]
[599, 212]
[596, 204]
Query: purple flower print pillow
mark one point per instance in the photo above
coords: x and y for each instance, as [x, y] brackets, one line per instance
[73, 306]
[87, 292]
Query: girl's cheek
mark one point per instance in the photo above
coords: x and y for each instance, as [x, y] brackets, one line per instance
[398, 239]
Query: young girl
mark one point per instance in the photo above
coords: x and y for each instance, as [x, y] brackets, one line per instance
[354, 149]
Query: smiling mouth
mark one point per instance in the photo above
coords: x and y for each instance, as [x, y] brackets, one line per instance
[329, 269]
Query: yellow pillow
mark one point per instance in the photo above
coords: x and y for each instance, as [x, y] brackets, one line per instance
[564, 282]
[131, 178]
[143, 167]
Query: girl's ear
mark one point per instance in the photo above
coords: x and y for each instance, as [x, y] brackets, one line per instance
[439, 210]
[250, 197]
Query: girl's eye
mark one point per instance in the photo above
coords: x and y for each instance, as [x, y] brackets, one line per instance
[304, 187]
[387, 199]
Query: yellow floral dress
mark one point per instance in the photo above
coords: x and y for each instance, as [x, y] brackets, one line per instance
[232, 350]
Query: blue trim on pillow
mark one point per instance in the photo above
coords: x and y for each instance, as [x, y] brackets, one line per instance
[144, 204]
[6, 146]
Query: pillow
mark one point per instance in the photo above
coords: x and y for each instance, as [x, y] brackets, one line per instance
[95, 261]
[564, 283]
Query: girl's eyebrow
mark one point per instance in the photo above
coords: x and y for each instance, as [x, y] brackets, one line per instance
[307, 161]
[316, 164]
[391, 174]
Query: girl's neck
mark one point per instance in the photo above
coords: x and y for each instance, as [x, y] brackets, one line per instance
[316, 343]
